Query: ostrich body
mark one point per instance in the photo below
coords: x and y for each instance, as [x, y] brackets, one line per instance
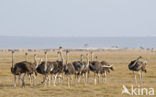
[138, 66]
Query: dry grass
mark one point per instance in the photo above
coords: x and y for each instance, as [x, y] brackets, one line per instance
[112, 88]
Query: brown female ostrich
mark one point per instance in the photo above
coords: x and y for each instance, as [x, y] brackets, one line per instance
[99, 68]
[79, 66]
[20, 68]
[44, 68]
[85, 71]
[138, 66]
[69, 70]
[106, 67]
[48, 68]
[58, 68]
[96, 67]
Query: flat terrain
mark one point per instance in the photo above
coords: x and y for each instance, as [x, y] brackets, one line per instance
[112, 88]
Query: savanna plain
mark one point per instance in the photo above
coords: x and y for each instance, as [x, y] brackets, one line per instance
[111, 88]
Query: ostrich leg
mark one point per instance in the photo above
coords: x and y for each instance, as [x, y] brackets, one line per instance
[14, 80]
[22, 79]
[34, 80]
[68, 79]
[135, 76]
[19, 79]
[105, 75]
[30, 79]
[55, 76]
[86, 77]
[98, 77]
[95, 78]
[140, 75]
[48, 80]
[79, 78]
[44, 78]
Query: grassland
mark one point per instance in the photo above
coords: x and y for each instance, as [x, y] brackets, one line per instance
[112, 88]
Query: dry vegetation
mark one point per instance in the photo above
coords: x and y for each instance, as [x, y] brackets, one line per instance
[112, 88]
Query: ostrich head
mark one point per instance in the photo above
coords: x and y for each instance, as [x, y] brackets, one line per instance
[140, 57]
[60, 47]
[144, 66]
[67, 51]
[112, 68]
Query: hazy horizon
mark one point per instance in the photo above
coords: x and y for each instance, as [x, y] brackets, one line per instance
[77, 42]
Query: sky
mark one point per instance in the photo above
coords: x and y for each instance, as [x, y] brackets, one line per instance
[78, 18]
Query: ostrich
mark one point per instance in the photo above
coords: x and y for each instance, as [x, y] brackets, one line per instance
[79, 66]
[48, 68]
[45, 68]
[58, 68]
[95, 66]
[69, 70]
[106, 67]
[20, 68]
[138, 66]
[99, 68]
[85, 71]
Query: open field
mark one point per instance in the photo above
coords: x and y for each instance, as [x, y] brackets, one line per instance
[112, 88]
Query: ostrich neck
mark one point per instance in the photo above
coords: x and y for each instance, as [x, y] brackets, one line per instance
[81, 58]
[26, 58]
[61, 57]
[67, 58]
[12, 60]
[87, 63]
[45, 62]
[35, 62]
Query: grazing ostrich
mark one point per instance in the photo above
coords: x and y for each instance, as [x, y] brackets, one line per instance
[69, 70]
[106, 67]
[138, 66]
[99, 68]
[20, 68]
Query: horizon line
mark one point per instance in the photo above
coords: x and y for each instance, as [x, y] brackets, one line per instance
[76, 36]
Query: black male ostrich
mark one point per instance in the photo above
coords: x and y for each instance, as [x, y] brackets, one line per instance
[20, 68]
[138, 66]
